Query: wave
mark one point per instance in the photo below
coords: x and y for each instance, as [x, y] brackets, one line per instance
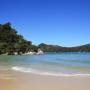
[37, 72]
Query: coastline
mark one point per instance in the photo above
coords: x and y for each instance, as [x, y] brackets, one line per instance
[12, 80]
[46, 73]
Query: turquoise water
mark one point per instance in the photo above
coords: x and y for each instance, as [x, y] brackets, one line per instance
[49, 64]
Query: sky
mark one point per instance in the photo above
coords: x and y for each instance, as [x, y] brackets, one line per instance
[58, 22]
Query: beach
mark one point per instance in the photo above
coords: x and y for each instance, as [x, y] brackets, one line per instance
[66, 71]
[45, 45]
[13, 80]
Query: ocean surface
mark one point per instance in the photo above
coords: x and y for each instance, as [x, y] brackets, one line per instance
[52, 64]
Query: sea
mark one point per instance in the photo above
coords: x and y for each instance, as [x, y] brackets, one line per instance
[68, 64]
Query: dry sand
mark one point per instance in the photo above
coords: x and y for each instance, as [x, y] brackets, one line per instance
[20, 81]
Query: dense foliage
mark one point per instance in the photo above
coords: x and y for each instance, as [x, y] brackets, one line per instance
[11, 41]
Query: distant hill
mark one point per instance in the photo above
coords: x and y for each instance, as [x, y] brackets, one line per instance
[56, 48]
[81, 48]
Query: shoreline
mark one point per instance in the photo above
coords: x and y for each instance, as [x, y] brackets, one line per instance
[20, 81]
[45, 73]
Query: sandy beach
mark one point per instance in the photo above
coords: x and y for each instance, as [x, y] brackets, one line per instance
[11, 80]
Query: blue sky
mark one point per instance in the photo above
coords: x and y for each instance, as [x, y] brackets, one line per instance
[61, 22]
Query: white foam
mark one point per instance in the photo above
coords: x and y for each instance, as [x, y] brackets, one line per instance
[37, 72]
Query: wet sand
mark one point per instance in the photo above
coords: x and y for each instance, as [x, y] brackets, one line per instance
[11, 80]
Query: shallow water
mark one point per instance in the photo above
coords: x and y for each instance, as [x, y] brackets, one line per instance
[56, 64]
